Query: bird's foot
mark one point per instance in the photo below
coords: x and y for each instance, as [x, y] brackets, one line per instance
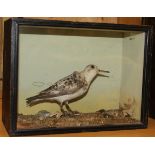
[75, 113]
[66, 113]
[70, 113]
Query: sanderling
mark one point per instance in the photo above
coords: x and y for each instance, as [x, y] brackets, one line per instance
[68, 89]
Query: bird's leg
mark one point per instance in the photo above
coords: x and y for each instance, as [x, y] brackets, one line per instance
[61, 108]
[69, 109]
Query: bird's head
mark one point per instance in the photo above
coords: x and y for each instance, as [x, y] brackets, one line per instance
[91, 71]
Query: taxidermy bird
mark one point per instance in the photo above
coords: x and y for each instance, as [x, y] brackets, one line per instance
[68, 89]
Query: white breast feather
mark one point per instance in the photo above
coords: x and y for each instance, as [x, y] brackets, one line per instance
[68, 97]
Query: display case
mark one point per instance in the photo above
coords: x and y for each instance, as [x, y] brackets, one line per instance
[64, 76]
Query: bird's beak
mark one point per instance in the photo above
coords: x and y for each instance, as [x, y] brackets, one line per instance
[103, 71]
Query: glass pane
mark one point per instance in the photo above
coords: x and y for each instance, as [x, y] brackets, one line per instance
[88, 96]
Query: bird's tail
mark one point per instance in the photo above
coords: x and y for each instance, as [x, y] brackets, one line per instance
[33, 100]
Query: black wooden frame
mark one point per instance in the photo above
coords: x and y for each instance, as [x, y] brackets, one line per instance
[10, 74]
[151, 21]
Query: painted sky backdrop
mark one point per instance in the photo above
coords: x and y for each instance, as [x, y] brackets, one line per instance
[44, 59]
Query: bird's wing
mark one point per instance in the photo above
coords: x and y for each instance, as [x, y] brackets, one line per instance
[67, 85]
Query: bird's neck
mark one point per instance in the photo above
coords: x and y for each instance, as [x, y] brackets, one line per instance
[88, 77]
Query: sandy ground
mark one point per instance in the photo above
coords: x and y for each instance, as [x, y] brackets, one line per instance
[45, 120]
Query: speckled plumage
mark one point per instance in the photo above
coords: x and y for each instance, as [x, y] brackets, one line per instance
[67, 85]
[68, 88]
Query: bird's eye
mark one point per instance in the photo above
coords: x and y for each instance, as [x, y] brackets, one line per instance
[92, 66]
